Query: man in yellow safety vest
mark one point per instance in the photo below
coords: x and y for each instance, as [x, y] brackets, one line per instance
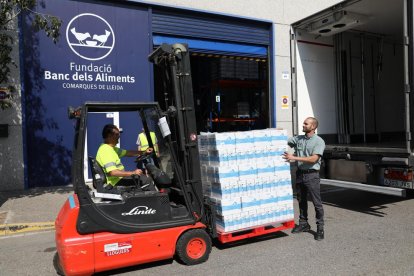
[143, 145]
[109, 158]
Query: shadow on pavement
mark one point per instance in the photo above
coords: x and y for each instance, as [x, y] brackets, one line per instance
[7, 195]
[275, 235]
[360, 201]
[135, 268]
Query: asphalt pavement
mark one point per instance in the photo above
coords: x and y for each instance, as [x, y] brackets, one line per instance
[365, 234]
[23, 211]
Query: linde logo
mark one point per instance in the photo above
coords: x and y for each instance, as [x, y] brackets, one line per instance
[140, 210]
[90, 36]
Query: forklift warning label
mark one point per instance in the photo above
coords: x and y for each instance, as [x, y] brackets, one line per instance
[118, 248]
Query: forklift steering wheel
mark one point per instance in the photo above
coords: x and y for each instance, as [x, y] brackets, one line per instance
[143, 157]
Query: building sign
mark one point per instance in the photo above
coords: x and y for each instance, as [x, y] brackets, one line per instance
[285, 75]
[285, 102]
[101, 55]
[91, 38]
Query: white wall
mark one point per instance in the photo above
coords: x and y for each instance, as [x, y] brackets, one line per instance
[277, 11]
[316, 82]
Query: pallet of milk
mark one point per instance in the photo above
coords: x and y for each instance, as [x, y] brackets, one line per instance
[203, 141]
[281, 166]
[260, 155]
[205, 181]
[284, 191]
[275, 152]
[254, 186]
[248, 171]
[244, 156]
[286, 212]
[244, 140]
[262, 138]
[222, 157]
[204, 173]
[227, 206]
[204, 157]
[223, 174]
[222, 141]
[250, 203]
[278, 136]
[228, 223]
[248, 219]
[225, 190]
[265, 169]
[266, 184]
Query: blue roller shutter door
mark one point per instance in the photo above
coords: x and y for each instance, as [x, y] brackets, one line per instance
[220, 34]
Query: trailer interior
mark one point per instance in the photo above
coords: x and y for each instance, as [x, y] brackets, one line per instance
[351, 71]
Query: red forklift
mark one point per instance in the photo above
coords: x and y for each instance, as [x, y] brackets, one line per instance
[98, 231]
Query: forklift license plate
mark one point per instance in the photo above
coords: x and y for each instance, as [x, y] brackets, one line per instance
[398, 183]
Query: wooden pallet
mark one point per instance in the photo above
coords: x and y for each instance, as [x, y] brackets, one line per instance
[254, 232]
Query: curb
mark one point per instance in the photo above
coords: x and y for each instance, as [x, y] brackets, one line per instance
[11, 229]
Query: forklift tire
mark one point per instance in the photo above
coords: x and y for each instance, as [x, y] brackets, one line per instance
[193, 247]
[56, 264]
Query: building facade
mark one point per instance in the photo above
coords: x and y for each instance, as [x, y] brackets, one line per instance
[240, 67]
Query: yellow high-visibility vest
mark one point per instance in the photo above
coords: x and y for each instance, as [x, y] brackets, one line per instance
[144, 142]
[109, 159]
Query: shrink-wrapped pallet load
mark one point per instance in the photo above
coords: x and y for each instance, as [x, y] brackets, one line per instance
[246, 178]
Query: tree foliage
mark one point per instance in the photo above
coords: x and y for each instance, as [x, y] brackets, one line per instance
[10, 10]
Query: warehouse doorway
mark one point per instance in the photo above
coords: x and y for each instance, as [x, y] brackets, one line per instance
[229, 63]
[231, 93]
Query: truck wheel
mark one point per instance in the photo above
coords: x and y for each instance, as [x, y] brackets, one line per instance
[193, 247]
[56, 264]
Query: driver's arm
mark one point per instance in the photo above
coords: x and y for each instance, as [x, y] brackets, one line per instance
[120, 173]
[131, 153]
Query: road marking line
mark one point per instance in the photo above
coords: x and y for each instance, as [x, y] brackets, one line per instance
[25, 234]
[11, 229]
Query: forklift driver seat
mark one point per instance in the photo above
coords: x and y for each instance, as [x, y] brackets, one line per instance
[98, 175]
[100, 181]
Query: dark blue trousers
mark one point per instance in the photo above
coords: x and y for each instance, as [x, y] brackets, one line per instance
[309, 183]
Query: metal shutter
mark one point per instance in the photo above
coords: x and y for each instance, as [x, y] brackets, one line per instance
[212, 27]
[214, 47]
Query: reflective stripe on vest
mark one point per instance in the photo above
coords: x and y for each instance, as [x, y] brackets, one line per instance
[110, 164]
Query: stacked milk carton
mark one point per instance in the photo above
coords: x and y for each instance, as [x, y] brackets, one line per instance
[246, 177]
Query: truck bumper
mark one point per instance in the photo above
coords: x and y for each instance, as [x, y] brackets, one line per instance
[365, 187]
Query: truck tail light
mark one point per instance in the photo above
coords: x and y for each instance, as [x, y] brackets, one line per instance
[399, 174]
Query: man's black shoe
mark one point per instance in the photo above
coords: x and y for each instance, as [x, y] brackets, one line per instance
[301, 228]
[320, 234]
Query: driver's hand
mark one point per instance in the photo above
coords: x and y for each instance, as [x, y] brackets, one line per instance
[149, 150]
[137, 172]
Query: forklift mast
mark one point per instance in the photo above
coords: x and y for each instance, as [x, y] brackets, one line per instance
[174, 60]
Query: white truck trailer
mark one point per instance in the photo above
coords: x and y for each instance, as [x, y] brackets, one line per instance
[352, 68]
